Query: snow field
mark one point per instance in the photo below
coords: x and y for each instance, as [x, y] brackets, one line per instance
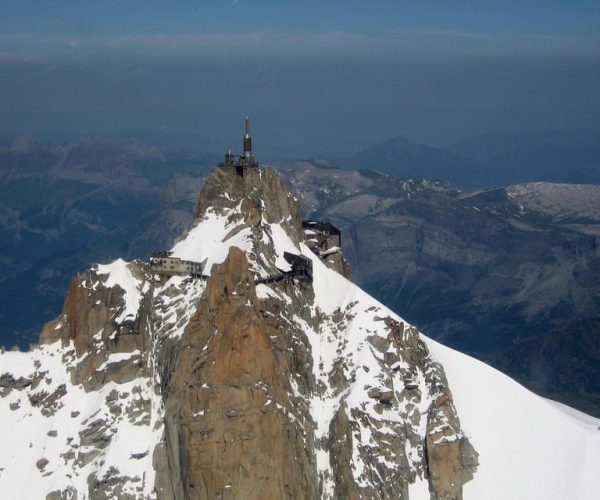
[29, 435]
[529, 448]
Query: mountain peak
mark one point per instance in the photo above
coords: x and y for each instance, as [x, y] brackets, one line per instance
[247, 351]
[242, 362]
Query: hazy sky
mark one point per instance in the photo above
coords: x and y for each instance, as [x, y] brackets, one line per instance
[379, 28]
[318, 77]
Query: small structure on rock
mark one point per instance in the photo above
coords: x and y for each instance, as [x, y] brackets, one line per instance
[247, 159]
[323, 238]
[301, 268]
[165, 264]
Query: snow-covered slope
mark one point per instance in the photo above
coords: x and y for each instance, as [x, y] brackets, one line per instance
[529, 448]
[381, 410]
[51, 429]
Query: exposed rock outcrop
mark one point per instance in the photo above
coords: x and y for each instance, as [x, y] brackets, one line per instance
[92, 320]
[229, 405]
[258, 195]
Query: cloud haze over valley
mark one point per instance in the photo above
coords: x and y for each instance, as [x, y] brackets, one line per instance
[319, 80]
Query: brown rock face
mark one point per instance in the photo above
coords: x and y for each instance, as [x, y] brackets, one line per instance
[341, 447]
[444, 458]
[229, 415]
[81, 317]
[88, 320]
[262, 194]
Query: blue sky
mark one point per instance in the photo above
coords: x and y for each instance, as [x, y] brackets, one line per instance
[352, 28]
[318, 77]
[487, 16]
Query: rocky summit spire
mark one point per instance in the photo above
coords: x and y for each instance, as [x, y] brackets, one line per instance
[251, 369]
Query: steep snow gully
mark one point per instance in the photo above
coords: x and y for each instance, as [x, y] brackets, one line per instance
[133, 391]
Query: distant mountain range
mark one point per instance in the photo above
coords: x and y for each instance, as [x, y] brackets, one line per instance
[486, 146]
[571, 156]
[485, 160]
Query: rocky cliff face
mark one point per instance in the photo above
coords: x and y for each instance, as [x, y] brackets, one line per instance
[509, 274]
[230, 409]
[253, 382]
